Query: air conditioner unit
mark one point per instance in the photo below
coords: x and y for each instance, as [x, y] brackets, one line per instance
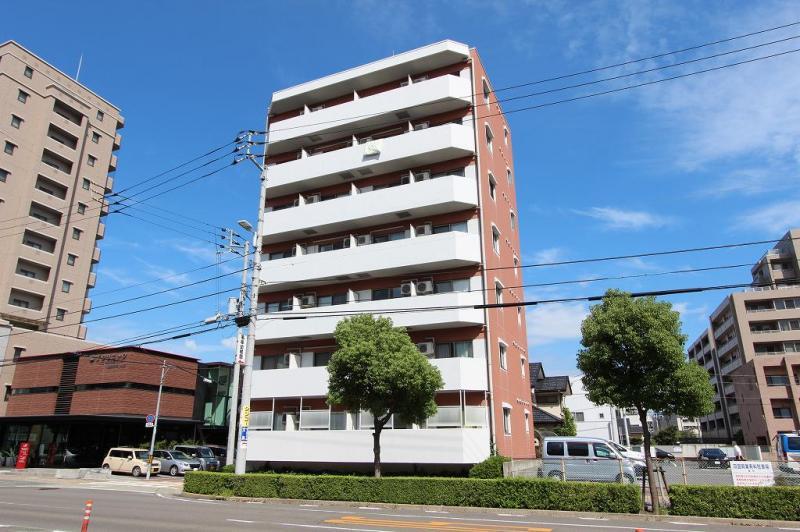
[421, 125]
[424, 287]
[312, 198]
[426, 348]
[363, 240]
[404, 180]
[312, 248]
[422, 176]
[424, 229]
[407, 288]
[308, 300]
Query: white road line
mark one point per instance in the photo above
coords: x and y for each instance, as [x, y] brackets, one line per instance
[436, 512]
[336, 527]
[695, 524]
[788, 528]
[369, 508]
[510, 515]
[241, 521]
[606, 519]
[200, 501]
[309, 505]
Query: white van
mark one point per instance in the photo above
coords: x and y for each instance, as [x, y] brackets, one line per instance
[585, 459]
[129, 460]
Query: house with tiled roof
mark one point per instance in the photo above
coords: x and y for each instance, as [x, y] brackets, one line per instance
[547, 395]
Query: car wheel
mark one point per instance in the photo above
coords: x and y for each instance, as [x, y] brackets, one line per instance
[136, 471]
[173, 471]
[106, 467]
[556, 475]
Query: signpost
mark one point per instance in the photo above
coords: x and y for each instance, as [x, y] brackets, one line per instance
[149, 421]
[24, 453]
[747, 473]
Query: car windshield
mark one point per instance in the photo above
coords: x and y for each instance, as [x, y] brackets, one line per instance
[178, 455]
[714, 452]
[141, 455]
[205, 452]
[793, 443]
[618, 447]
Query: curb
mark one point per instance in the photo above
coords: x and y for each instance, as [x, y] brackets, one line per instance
[522, 512]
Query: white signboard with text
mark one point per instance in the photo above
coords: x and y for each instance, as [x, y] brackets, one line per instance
[752, 473]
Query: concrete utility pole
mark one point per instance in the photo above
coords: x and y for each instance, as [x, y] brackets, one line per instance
[247, 369]
[155, 421]
[237, 361]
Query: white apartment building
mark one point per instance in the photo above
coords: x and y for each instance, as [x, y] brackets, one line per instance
[390, 186]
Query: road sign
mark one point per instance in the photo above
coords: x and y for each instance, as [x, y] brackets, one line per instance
[243, 438]
[246, 416]
[149, 421]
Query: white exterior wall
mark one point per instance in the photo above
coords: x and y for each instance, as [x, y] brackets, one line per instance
[593, 424]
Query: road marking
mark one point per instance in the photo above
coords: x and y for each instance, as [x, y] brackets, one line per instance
[309, 505]
[436, 512]
[789, 529]
[200, 501]
[356, 520]
[335, 527]
[241, 521]
[369, 508]
[510, 515]
[606, 519]
[695, 524]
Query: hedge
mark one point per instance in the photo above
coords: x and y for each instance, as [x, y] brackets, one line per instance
[492, 467]
[542, 494]
[781, 503]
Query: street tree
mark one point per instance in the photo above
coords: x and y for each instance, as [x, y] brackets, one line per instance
[377, 368]
[633, 357]
[568, 426]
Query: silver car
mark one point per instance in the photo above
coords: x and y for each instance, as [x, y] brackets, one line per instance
[176, 462]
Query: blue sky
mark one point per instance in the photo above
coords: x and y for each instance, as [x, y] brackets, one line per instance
[705, 160]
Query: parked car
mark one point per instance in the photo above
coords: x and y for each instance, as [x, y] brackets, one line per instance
[664, 455]
[176, 462]
[129, 460]
[219, 451]
[713, 457]
[208, 462]
[587, 459]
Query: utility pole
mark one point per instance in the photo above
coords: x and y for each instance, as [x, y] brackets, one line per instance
[237, 360]
[247, 369]
[155, 422]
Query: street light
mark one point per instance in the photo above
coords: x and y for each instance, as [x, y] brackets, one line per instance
[247, 226]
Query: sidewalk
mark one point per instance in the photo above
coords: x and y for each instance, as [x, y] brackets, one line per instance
[92, 479]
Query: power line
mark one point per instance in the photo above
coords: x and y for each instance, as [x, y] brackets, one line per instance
[169, 228]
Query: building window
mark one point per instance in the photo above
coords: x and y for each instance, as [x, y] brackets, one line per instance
[498, 292]
[516, 267]
[486, 92]
[18, 353]
[60, 313]
[3, 175]
[505, 135]
[22, 96]
[22, 303]
[86, 184]
[522, 364]
[96, 137]
[513, 221]
[489, 139]
[503, 352]
[602, 415]
[66, 286]
[91, 160]
[16, 121]
[9, 148]
[519, 315]
[507, 420]
[76, 233]
[100, 116]
[81, 208]
[28, 72]
[782, 412]
[527, 422]
[777, 380]
[578, 416]
[71, 259]
[496, 240]
[492, 187]
[7, 394]
[509, 177]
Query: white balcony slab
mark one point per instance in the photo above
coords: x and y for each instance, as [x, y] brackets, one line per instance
[409, 150]
[425, 98]
[424, 446]
[399, 257]
[369, 209]
[302, 324]
[457, 373]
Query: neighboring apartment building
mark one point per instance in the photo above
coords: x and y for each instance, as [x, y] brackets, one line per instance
[751, 351]
[58, 139]
[547, 395]
[592, 420]
[390, 186]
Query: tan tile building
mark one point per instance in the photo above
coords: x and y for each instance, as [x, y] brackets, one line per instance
[751, 351]
[58, 140]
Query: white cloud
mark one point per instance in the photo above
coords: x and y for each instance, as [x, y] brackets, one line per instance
[619, 219]
[688, 310]
[190, 344]
[229, 342]
[545, 256]
[773, 219]
[555, 322]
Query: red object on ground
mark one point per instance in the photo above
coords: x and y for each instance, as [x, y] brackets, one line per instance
[24, 453]
[87, 513]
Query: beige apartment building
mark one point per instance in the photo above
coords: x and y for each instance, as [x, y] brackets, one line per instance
[58, 140]
[751, 351]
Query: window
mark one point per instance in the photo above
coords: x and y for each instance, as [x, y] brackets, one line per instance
[498, 292]
[555, 448]
[513, 221]
[522, 363]
[505, 135]
[71, 259]
[496, 240]
[489, 138]
[16, 121]
[578, 416]
[28, 72]
[81, 208]
[91, 160]
[60, 313]
[486, 92]
[492, 187]
[503, 355]
[66, 286]
[461, 349]
[577, 448]
[454, 285]
[507, 420]
[7, 394]
[26, 273]
[335, 299]
[519, 315]
[782, 412]
[76, 233]
[602, 451]
[9, 148]
[86, 184]
[4, 175]
[18, 353]
[527, 422]
[100, 116]
[96, 137]
[602, 415]
[516, 267]
[322, 359]
[22, 96]
[509, 177]
[279, 306]
[447, 228]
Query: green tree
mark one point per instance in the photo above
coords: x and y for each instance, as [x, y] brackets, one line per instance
[633, 357]
[568, 426]
[669, 436]
[377, 368]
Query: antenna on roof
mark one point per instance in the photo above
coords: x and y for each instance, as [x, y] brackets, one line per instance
[80, 62]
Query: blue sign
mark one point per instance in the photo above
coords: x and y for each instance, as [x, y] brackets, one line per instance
[150, 418]
[244, 434]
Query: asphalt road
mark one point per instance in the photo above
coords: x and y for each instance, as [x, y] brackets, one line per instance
[125, 504]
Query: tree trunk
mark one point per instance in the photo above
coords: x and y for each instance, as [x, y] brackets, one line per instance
[376, 448]
[650, 476]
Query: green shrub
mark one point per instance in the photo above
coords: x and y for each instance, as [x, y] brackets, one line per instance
[492, 467]
[736, 502]
[230, 468]
[493, 493]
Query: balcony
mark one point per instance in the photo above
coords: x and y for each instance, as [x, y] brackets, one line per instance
[409, 150]
[414, 200]
[87, 305]
[101, 231]
[91, 282]
[270, 329]
[96, 254]
[727, 346]
[457, 373]
[437, 95]
[421, 446]
[399, 257]
[112, 163]
[109, 184]
[117, 142]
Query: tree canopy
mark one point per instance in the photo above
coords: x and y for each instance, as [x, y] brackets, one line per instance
[568, 426]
